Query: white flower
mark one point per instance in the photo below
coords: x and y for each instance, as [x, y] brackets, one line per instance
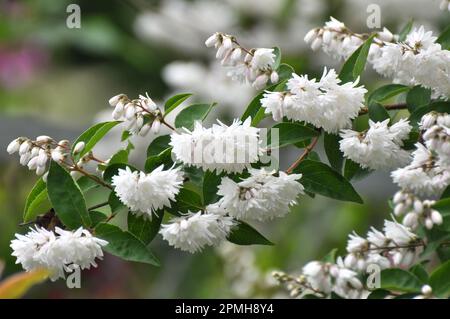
[326, 104]
[424, 175]
[193, 232]
[411, 62]
[57, 250]
[261, 196]
[317, 276]
[144, 193]
[263, 58]
[398, 233]
[347, 283]
[356, 243]
[223, 148]
[379, 147]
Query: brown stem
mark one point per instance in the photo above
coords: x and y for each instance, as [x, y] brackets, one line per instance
[98, 206]
[398, 106]
[93, 177]
[242, 48]
[305, 153]
[167, 124]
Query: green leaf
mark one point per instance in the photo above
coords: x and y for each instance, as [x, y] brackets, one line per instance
[418, 97]
[66, 198]
[334, 154]
[211, 181]
[420, 272]
[114, 203]
[255, 104]
[399, 280]
[385, 92]
[86, 184]
[377, 112]
[97, 217]
[284, 72]
[289, 133]
[322, 179]
[120, 157]
[92, 135]
[174, 101]
[143, 228]
[244, 234]
[165, 158]
[446, 193]
[331, 256]
[37, 201]
[125, 245]
[196, 112]
[405, 31]
[159, 144]
[378, 294]
[354, 171]
[277, 52]
[186, 201]
[355, 64]
[444, 38]
[440, 280]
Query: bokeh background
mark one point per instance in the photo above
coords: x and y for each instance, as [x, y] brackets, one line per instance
[56, 81]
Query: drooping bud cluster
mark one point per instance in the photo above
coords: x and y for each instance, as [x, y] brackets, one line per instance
[396, 247]
[416, 211]
[141, 115]
[340, 42]
[34, 153]
[254, 66]
[57, 251]
[326, 104]
[379, 147]
[436, 127]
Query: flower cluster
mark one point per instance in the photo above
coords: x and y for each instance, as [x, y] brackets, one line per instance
[141, 115]
[35, 154]
[255, 66]
[340, 42]
[379, 147]
[410, 62]
[424, 175]
[220, 147]
[144, 193]
[261, 196]
[192, 232]
[326, 104]
[396, 247]
[58, 250]
[436, 135]
[415, 210]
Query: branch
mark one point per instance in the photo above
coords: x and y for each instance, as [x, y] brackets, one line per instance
[305, 153]
[398, 106]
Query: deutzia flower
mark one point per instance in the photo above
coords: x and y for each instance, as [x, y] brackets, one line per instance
[193, 232]
[223, 148]
[261, 196]
[317, 275]
[326, 104]
[424, 175]
[412, 61]
[56, 251]
[379, 147]
[144, 193]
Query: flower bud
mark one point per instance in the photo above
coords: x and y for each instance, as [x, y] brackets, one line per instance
[260, 81]
[212, 40]
[24, 147]
[156, 126]
[274, 77]
[327, 36]
[44, 138]
[79, 147]
[410, 220]
[145, 129]
[385, 35]
[236, 55]
[436, 217]
[130, 111]
[116, 99]
[426, 290]
[57, 156]
[13, 146]
[315, 45]
[428, 223]
[32, 164]
[310, 36]
[42, 158]
[40, 170]
[399, 209]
